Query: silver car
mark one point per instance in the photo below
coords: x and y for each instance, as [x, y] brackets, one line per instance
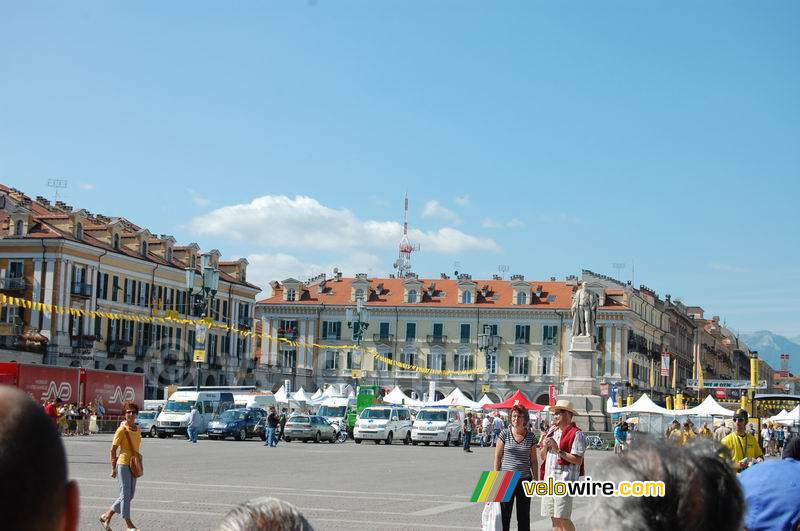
[146, 420]
[309, 428]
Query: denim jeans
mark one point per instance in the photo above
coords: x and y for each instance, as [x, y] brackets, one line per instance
[192, 432]
[467, 437]
[270, 437]
[127, 488]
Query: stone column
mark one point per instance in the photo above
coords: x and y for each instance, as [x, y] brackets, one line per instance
[49, 270]
[581, 387]
[36, 294]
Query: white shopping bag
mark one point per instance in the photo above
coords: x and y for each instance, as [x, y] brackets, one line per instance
[492, 518]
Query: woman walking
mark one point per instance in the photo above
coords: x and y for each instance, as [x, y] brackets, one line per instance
[127, 439]
[516, 451]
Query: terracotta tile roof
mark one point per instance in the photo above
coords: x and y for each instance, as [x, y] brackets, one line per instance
[499, 294]
[44, 230]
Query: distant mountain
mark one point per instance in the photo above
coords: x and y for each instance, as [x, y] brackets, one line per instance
[770, 347]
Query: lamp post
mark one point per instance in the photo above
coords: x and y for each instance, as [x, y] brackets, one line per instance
[488, 343]
[201, 301]
[357, 321]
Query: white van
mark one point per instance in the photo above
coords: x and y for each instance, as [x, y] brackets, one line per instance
[263, 400]
[437, 424]
[383, 423]
[175, 416]
[335, 408]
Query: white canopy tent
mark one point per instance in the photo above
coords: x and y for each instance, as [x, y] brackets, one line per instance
[397, 396]
[338, 389]
[301, 396]
[643, 405]
[708, 408]
[280, 395]
[789, 418]
[484, 401]
[456, 398]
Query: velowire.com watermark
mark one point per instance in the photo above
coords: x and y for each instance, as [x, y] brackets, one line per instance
[499, 487]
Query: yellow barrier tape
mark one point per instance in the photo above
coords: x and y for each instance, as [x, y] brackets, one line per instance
[172, 317]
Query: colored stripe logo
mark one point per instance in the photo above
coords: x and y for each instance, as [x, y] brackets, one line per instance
[495, 486]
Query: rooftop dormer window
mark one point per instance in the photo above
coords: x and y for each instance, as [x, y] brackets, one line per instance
[412, 295]
[359, 294]
[143, 249]
[115, 242]
[169, 254]
[18, 228]
[466, 297]
[79, 230]
[291, 294]
[522, 298]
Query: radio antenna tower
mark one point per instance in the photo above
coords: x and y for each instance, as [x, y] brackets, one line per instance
[403, 262]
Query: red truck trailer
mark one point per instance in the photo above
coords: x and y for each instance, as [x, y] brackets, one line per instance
[43, 382]
[73, 384]
[112, 388]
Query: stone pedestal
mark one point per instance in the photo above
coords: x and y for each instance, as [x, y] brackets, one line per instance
[581, 387]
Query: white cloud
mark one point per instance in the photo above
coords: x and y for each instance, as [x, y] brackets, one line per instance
[87, 186]
[265, 268]
[462, 201]
[433, 209]
[489, 223]
[305, 223]
[198, 200]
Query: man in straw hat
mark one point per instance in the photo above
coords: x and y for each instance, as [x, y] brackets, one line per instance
[562, 450]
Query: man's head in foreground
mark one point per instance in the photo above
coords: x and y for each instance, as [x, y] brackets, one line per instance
[265, 514]
[34, 492]
[700, 489]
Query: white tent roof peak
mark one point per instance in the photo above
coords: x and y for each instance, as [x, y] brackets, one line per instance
[397, 396]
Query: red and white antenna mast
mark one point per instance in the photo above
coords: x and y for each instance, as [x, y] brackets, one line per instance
[403, 263]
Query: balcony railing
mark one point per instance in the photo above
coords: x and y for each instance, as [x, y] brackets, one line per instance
[383, 338]
[291, 335]
[522, 341]
[81, 289]
[437, 340]
[244, 322]
[118, 347]
[82, 341]
[411, 339]
[12, 284]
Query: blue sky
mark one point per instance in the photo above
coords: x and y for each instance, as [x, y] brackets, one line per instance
[549, 136]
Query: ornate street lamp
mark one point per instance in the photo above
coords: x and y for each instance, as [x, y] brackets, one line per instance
[357, 321]
[488, 343]
[202, 301]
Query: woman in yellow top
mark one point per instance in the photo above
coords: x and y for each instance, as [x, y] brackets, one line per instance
[705, 431]
[120, 467]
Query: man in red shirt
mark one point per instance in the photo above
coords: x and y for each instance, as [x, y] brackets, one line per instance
[51, 409]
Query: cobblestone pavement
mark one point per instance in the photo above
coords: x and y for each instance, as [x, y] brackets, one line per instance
[337, 486]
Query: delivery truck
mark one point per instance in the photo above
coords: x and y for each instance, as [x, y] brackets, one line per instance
[74, 384]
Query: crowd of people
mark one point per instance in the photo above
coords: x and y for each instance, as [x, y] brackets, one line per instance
[73, 419]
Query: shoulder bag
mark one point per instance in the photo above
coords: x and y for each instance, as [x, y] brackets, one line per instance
[136, 463]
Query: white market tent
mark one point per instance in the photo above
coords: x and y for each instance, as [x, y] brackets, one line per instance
[643, 405]
[456, 398]
[280, 395]
[484, 401]
[791, 417]
[338, 389]
[301, 396]
[317, 394]
[397, 396]
[709, 408]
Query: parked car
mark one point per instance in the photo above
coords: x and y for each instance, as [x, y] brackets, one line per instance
[146, 420]
[238, 423]
[383, 423]
[309, 428]
[441, 425]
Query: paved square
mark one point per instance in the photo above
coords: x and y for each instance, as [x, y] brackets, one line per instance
[337, 486]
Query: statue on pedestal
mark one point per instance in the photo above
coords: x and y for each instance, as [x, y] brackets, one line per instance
[584, 313]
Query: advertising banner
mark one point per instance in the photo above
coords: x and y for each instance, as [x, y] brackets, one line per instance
[112, 388]
[45, 383]
[200, 333]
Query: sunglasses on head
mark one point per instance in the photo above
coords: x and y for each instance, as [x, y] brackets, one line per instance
[739, 419]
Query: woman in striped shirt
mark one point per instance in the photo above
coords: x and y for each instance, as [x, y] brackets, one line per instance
[516, 451]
